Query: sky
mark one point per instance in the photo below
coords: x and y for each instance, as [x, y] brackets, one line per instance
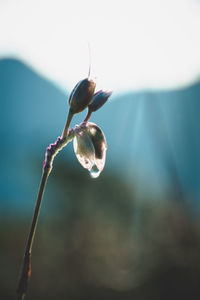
[133, 44]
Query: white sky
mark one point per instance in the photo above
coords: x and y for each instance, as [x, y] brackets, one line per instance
[134, 44]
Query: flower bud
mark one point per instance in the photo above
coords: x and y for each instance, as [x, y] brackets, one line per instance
[90, 148]
[81, 95]
[98, 100]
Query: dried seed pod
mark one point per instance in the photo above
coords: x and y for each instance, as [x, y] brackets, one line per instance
[81, 95]
[99, 100]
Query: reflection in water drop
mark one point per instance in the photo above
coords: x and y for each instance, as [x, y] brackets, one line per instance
[94, 172]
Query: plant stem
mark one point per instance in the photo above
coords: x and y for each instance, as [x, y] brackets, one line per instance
[88, 116]
[68, 122]
[26, 269]
[51, 152]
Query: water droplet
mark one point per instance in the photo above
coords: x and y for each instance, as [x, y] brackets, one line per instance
[94, 172]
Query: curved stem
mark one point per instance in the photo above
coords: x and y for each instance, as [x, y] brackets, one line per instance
[51, 152]
[88, 116]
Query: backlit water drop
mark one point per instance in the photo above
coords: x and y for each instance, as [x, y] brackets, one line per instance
[94, 172]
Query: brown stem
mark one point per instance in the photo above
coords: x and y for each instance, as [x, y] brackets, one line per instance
[88, 116]
[26, 269]
[51, 152]
[68, 122]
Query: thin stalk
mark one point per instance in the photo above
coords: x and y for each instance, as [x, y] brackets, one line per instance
[51, 152]
[88, 116]
[26, 268]
[68, 122]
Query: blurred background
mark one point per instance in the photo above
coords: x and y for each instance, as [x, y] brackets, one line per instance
[134, 232]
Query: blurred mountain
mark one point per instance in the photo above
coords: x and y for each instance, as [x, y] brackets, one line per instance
[128, 234]
[153, 136]
[28, 125]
